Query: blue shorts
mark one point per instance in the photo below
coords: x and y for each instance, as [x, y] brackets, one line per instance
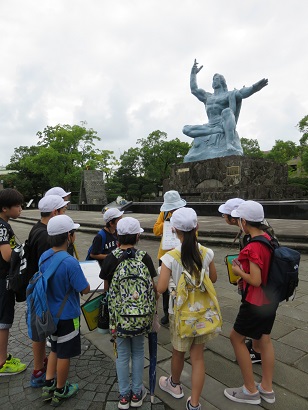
[65, 342]
[7, 304]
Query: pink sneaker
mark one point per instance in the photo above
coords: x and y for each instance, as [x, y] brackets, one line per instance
[175, 391]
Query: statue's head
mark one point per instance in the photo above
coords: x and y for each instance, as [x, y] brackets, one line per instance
[221, 79]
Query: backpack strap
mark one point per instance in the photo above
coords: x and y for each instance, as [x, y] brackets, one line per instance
[50, 271]
[102, 233]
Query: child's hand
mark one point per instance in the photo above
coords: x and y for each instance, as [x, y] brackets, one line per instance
[237, 267]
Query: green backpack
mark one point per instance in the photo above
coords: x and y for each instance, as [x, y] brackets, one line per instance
[131, 295]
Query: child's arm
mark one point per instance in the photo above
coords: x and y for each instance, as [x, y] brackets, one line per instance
[159, 225]
[253, 278]
[163, 280]
[86, 290]
[6, 252]
[213, 272]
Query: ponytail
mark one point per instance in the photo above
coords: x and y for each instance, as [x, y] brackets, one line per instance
[190, 254]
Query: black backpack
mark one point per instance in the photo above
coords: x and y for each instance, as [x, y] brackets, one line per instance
[283, 272]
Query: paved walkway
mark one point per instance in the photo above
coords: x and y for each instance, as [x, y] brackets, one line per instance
[95, 371]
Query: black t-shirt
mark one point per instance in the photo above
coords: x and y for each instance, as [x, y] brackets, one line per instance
[110, 243]
[111, 262]
[6, 237]
[38, 243]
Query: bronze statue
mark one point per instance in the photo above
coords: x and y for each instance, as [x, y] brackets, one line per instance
[217, 138]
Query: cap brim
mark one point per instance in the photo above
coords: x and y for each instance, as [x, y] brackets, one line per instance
[66, 202]
[235, 214]
[141, 230]
[76, 226]
[223, 210]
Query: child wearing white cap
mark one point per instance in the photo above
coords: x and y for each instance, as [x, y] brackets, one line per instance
[172, 201]
[257, 313]
[129, 348]
[184, 221]
[67, 279]
[106, 240]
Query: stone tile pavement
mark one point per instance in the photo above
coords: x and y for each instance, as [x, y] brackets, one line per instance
[95, 371]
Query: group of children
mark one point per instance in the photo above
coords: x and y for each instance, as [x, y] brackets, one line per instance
[255, 318]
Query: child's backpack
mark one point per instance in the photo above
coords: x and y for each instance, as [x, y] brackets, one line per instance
[196, 307]
[131, 295]
[283, 272]
[18, 277]
[41, 323]
[102, 233]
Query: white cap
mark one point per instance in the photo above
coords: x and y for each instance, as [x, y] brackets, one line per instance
[128, 226]
[112, 213]
[230, 205]
[172, 200]
[60, 224]
[51, 203]
[184, 219]
[251, 211]
[57, 191]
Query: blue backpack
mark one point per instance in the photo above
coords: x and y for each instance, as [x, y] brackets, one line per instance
[41, 323]
[283, 272]
[102, 233]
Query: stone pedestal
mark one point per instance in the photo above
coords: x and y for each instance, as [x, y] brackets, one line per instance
[232, 176]
[92, 189]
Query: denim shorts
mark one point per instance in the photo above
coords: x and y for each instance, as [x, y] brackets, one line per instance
[7, 303]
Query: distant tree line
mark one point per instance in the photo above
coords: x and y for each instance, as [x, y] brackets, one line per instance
[63, 152]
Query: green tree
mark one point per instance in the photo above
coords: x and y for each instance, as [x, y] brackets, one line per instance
[61, 154]
[283, 151]
[158, 156]
[251, 148]
[303, 128]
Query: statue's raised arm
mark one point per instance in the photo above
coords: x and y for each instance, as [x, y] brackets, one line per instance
[248, 91]
[198, 92]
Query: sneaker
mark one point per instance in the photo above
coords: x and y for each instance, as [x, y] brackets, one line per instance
[137, 399]
[69, 391]
[189, 406]
[175, 391]
[48, 391]
[238, 395]
[165, 320]
[269, 397]
[124, 401]
[38, 379]
[12, 366]
[254, 356]
[48, 341]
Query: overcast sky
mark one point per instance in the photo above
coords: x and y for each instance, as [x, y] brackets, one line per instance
[123, 66]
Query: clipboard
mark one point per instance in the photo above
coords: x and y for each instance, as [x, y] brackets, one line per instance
[91, 270]
[169, 239]
[232, 277]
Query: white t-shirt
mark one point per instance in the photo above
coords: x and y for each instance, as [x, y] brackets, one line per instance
[177, 269]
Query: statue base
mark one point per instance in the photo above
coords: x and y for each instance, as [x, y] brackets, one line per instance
[220, 179]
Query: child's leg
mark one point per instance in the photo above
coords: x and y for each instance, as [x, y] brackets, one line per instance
[177, 364]
[268, 360]
[39, 354]
[51, 366]
[243, 359]
[198, 372]
[137, 346]
[122, 364]
[63, 366]
[4, 339]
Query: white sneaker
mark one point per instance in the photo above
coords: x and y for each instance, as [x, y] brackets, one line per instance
[175, 391]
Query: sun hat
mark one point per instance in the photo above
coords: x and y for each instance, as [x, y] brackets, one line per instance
[184, 219]
[128, 226]
[251, 211]
[172, 200]
[112, 213]
[57, 191]
[230, 205]
[60, 224]
[50, 203]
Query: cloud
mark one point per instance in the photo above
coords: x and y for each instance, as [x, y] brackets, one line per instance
[124, 67]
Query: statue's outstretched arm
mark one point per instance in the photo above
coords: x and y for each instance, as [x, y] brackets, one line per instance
[198, 92]
[248, 91]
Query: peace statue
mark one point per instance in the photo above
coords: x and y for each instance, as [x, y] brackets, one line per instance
[217, 138]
